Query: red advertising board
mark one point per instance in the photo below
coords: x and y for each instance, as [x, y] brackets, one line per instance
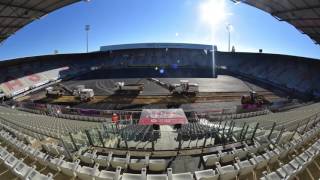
[162, 117]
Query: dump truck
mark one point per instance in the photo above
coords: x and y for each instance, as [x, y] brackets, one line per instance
[122, 87]
[83, 94]
[54, 92]
[79, 92]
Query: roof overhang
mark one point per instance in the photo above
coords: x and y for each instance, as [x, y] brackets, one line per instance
[15, 14]
[304, 15]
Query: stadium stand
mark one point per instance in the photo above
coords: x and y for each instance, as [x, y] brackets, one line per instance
[276, 70]
[25, 74]
[282, 155]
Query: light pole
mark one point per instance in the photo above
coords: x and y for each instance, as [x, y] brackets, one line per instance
[87, 28]
[229, 35]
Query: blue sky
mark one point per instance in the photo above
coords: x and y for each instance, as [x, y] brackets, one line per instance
[136, 21]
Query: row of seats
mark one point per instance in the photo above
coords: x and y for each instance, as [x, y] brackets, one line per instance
[296, 165]
[17, 166]
[74, 169]
[237, 115]
[134, 132]
[269, 156]
[194, 130]
[83, 118]
[46, 125]
[136, 164]
[104, 161]
[227, 170]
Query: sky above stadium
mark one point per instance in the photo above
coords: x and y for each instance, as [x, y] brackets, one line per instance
[138, 21]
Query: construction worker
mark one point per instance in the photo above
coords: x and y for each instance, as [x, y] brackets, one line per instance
[115, 118]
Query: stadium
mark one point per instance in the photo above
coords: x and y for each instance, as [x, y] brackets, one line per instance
[160, 111]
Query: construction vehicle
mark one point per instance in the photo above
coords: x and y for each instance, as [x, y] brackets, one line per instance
[122, 87]
[57, 91]
[183, 88]
[83, 94]
[80, 92]
[254, 99]
[54, 92]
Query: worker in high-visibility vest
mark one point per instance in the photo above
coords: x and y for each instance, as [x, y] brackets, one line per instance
[115, 118]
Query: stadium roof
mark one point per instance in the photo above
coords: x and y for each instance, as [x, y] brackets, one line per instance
[155, 46]
[302, 14]
[15, 14]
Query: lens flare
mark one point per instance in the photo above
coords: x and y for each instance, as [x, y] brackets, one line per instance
[213, 13]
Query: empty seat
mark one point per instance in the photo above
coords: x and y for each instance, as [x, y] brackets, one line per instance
[210, 160]
[88, 157]
[226, 157]
[208, 174]
[109, 175]
[252, 149]
[21, 169]
[129, 176]
[296, 164]
[282, 152]
[157, 165]
[245, 167]
[122, 162]
[18, 144]
[180, 176]
[55, 163]
[227, 172]
[240, 153]
[138, 164]
[33, 174]
[87, 173]
[103, 161]
[3, 154]
[41, 158]
[305, 158]
[69, 168]
[53, 150]
[271, 176]
[11, 161]
[260, 161]
[271, 156]
[157, 177]
[30, 151]
[313, 152]
[286, 171]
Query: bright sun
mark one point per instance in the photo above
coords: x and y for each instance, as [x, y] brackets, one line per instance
[213, 13]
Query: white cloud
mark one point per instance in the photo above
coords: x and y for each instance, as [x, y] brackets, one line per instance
[177, 34]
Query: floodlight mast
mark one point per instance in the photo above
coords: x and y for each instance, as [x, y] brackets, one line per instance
[87, 28]
[229, 35]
